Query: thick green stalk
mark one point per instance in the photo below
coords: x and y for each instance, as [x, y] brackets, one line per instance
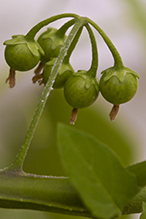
[18, 164]
[52, 194]
[31, 34]
[115, 53]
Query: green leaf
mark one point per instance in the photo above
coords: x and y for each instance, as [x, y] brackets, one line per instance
[143, 215]
[139, 170]
[97, 173]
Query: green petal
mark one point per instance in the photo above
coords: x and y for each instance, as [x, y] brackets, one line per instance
[40, 48]
[33, 48]
[47, 34]
[109, 73]
[132, 72]
[16, 39]
[119, 73]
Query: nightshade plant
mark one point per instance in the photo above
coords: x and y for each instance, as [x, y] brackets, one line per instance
[98, 185]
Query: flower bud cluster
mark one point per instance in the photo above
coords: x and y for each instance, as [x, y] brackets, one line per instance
[118, 84]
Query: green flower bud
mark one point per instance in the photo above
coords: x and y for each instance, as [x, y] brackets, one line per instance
[118, 86]
[81, 89]
[51, 42]
[22, 54]
[64, 73]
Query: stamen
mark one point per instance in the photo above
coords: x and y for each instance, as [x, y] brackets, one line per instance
[73, 116]
[11, 78]
[39, 68]
[114, 112]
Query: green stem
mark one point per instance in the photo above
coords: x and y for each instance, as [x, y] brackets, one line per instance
[117, 58]
[18, 164]
[72, 46]
[52, 194]
[43, 193]
[62, 30]
[31, 34]
[94, 65]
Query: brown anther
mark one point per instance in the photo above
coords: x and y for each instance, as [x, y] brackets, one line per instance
[11, 78]
[38, 77]
[114, 112]
[73, 116]
[39, 68]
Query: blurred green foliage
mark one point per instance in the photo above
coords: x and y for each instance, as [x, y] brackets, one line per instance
[43, 157]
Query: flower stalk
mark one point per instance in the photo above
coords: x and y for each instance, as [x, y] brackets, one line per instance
[117, 58]
[94, 65]
[31, 34]
[18, 163]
